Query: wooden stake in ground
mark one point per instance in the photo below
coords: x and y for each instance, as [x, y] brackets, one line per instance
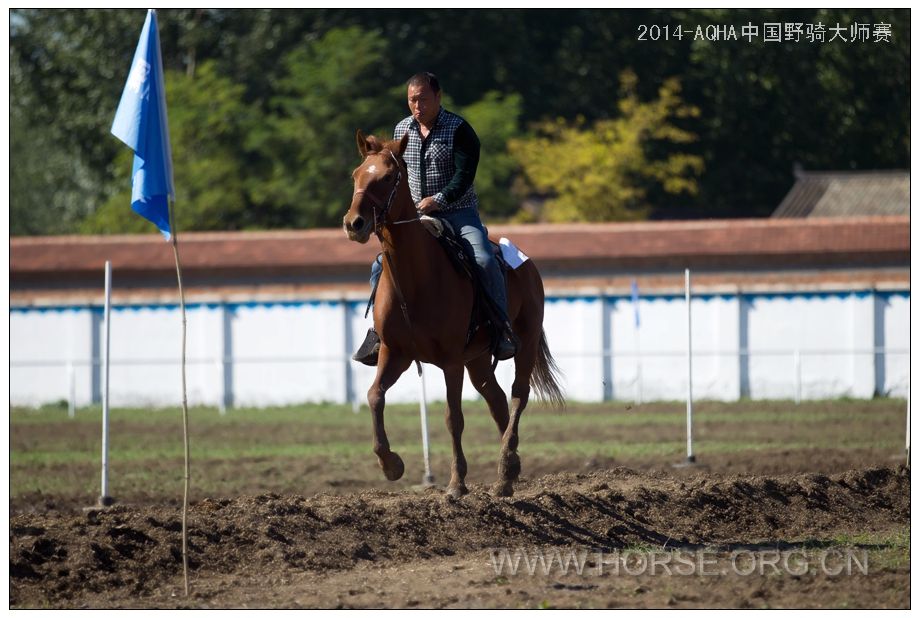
[187, 475]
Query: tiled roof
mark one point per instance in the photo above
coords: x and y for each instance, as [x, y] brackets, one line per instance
[847, 194]
[307, 262]
[648, 243]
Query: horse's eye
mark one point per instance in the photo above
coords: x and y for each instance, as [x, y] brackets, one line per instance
[388, 177]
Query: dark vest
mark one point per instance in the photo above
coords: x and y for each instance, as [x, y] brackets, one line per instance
[438, 151]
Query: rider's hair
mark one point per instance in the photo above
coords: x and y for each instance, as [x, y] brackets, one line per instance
[425, 79]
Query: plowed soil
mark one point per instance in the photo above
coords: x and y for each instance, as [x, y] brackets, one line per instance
[420, 549]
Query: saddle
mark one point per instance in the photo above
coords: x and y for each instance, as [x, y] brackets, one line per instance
[485, 313]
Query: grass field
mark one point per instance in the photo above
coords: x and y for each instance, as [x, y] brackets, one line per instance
[327, 448]
[289, 509]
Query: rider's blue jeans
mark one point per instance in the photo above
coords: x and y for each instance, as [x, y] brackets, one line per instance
[473, 236]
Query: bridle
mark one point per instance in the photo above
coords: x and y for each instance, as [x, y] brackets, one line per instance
[380, 218]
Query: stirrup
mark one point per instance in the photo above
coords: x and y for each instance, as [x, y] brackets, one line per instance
[369, 350]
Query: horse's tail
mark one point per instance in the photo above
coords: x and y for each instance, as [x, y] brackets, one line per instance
[546, 375]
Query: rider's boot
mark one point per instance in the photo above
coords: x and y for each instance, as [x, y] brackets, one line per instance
[508, 345]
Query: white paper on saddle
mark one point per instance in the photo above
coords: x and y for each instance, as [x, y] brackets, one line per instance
[514, 256]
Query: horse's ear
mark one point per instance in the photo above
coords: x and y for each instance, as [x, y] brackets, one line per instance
[362, 143]
[402, 144]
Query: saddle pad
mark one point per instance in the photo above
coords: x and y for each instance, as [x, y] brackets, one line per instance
[513, 256]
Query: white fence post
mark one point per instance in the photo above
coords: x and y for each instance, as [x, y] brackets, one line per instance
[797, 362]
[690, 456]
[104, 498]
[72, 390]
[221, 387]
[428, 479]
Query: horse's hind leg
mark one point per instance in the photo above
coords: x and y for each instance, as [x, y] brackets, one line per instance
[389, 367]
[453, 380]
[484, 381]
[509, 463]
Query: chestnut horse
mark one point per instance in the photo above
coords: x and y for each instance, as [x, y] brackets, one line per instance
[422, 313]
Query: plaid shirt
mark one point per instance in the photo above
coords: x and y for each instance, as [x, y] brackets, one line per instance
[431, 161]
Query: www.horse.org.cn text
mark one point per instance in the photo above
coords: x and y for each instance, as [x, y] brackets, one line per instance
[555, 561]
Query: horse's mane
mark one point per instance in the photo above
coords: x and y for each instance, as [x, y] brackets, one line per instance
[378, 146]
[391, 145]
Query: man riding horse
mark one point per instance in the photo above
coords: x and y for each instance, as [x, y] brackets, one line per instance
[441, 155]
[423, 306]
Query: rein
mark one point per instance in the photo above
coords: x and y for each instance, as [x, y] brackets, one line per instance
[379, 221]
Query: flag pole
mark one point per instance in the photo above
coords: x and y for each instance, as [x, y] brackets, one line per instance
[141, 123]
[175, 246]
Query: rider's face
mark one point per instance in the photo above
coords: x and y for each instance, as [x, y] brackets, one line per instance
[424, 103]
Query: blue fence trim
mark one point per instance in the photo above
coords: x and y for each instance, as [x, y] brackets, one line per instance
[353, 305]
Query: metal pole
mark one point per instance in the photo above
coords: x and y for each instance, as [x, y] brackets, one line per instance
[635, 305]
[638, 370]
[346, 342]
[690, 456]
[428, 479]
[104, 498]
[72, 383]
[797, 361]
[221, 390]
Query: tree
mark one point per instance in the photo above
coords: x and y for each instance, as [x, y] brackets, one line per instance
[602, 172]
[496, 120]
[331, 87]
[49, 184]
[767, 106]
[208, 127]
[306, 79]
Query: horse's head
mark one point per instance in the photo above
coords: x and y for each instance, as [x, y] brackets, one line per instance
[376, 181]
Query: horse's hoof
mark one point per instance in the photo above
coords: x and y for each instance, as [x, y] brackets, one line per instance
[393, 466]
[503, 489]
[457, 491]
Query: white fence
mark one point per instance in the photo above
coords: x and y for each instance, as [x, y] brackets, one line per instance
[793, 346]
[209, 375]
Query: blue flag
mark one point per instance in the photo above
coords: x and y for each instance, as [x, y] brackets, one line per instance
[140, 122]
[635, 300]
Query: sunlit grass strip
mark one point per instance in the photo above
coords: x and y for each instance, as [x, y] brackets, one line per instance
[44, 458]
[613, 413]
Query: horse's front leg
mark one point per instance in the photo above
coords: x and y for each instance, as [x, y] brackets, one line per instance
[453, 380]
[389, 367]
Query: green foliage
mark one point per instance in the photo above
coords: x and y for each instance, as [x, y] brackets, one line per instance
[601, 172]
[331, 87]
[288, 88]
[208, 123]
[50, 183]
[766, 107]
[496, 120]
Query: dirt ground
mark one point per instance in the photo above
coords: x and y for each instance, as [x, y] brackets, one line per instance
[419, 549]
[307, 532]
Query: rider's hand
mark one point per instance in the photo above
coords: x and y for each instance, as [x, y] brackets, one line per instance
[428, 206]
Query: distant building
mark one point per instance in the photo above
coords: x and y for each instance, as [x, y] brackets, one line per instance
[815, 307]
[847, 194]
